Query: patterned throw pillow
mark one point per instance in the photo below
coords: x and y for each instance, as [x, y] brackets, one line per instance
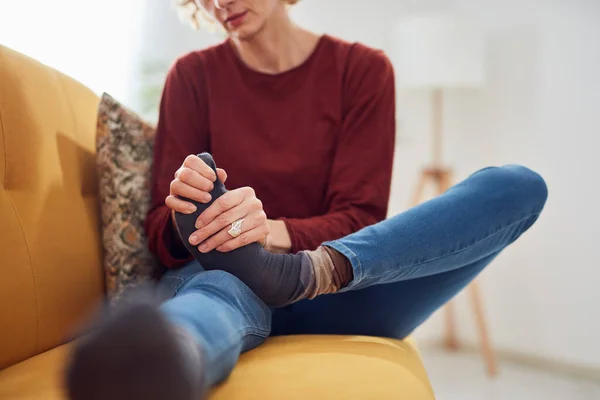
[124, 150]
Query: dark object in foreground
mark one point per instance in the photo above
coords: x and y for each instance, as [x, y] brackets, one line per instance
[133, 353]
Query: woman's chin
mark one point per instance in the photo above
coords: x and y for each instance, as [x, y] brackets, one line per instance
[244, 32]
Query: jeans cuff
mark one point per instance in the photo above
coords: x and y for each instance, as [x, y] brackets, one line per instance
[357, 270]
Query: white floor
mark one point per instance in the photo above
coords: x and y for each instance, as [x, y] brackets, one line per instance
[460, 376]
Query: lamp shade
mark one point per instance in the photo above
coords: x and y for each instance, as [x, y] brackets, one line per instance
[439, 51]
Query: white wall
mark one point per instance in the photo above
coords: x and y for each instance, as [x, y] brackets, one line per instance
[541, 109]
[93, 46]
[162, 38]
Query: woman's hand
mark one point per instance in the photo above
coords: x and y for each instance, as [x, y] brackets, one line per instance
[193, 180]
[217, 219]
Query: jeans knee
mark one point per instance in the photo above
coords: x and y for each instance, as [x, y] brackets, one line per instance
[232, 291]
[218, 281]
[520, 185]
[529, 184]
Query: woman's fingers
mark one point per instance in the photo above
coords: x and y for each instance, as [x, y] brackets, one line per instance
[181, 189]
[256, 234]
[214, 223]
[179, 205]
[229, 200]
[253, 228]
[195, 163]
[224, 211]
[194, 179]
[222, 175]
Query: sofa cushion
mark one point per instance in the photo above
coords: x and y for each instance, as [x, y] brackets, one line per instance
[286, 367]
[124, 146]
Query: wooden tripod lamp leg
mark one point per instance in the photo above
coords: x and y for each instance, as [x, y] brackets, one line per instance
[450, 336]
[486, 347]
[419, 190]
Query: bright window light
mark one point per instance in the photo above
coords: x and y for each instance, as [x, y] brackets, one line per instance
[93, 42]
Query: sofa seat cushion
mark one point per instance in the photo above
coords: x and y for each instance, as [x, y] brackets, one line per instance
[288, 367]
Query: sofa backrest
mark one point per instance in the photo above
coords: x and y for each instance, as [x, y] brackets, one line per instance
[50, 248]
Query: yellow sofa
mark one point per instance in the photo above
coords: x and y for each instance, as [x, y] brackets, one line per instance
[52, 278]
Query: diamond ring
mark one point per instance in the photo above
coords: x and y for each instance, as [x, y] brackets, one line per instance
[236, 228]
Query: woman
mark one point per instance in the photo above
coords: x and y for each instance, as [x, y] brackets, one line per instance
[305, 123]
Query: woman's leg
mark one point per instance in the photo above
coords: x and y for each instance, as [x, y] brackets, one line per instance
[178, 349]
[473, 220]
[390, 310]
[224, 316]
[408, 266]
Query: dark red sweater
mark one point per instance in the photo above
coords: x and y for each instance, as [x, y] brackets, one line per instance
[316, 142]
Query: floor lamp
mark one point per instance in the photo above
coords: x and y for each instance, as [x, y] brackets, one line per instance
[440, 53]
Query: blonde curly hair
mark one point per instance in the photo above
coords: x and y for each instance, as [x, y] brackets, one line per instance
[197, 17]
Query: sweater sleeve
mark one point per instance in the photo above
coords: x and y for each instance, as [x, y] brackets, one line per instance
[360, 178]
[181, 130]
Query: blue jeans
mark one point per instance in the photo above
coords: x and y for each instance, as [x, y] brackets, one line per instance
[405, 268]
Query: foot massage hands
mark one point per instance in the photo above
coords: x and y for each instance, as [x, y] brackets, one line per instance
[278, 279]
[195, 180]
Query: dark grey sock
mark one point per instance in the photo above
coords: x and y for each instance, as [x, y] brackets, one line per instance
[134, 353]
[278, 279]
